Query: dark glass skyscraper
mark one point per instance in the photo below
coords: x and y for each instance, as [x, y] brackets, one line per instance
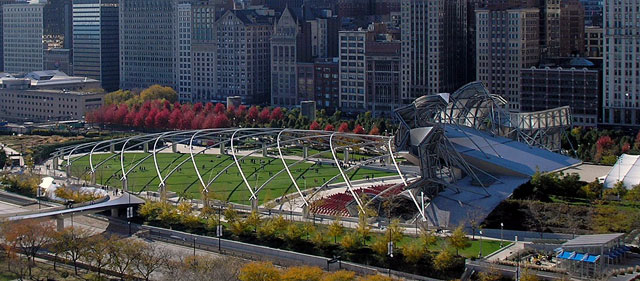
[95, 41]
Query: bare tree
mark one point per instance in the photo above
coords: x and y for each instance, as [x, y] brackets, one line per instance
[204, 268]
[97, 252]
[122, 254]
[150, 259]
[29, 236]
[74, 241]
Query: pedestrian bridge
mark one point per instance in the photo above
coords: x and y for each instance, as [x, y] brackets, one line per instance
[115, 204]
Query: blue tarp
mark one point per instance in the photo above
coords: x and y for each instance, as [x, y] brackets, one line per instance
[566, 255]
[578, 257]
[592, 258]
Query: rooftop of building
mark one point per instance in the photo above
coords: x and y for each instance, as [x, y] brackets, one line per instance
[254, 15]
[592, 240]
[569, 63]
[43, 78]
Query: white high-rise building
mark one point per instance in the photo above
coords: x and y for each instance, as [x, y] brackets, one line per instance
[352, 70]
[621, 83]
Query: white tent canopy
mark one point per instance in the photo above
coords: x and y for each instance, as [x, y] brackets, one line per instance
[626, 170]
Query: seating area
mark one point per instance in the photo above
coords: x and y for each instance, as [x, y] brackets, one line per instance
[336, 204]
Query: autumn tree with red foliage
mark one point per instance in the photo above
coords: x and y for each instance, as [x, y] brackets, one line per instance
[358, 130]
[604, 147]
[314, 126]
[329, 128]
[344, 127]
[374, 131]
[220, 108]
[276, 114]
[252, 115]
[264, 115]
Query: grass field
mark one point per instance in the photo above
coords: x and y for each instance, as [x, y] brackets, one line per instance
[185, 181]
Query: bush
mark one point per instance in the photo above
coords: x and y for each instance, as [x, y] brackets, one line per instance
[25, 184]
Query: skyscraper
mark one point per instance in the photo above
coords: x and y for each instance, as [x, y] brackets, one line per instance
[183, 49]
[592, 12]
[147, 43]
[621, 88]
[95, 44]
[30, 28]
[284, 81]
[23, 37]
[2, 3]
[507, 40]
[434, 39]
[242, 57]
[202, 78]
[561, 28]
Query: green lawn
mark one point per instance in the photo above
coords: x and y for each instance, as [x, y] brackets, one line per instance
[185, 181]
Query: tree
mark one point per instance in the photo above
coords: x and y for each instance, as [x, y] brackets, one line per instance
[413, 252]
[276, 114]
[528, 276]
[336, 229]
[491, 275]
[363, 229]
[187, 216]
[394, 231]
[374, 131]
[264, 115]
[427, 238]
[259, 271]
[252, 114]
[30, 236]
[444, 260]
[230, 214]
[117, 97]
[157, 92]
[376, 278]
[633, 194]
[150, 259]
[75, 241]
[162, 119]
[459, 240]
[358, 130]
[254, 220]
[219, 109]
[329, 128]
[98, 252]
[340, 275]
[344, 127]
[293, 234]
[302, 273]
[203, 268]
[238, 227]
[122, 254]
[380, 246]
[314, 126]
[350, 242]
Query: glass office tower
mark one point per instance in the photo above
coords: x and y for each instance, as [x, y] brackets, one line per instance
[96, 41]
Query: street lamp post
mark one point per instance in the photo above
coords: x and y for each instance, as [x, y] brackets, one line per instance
[501, 234]
[219, 230]
[480, 243]
[194, 244]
